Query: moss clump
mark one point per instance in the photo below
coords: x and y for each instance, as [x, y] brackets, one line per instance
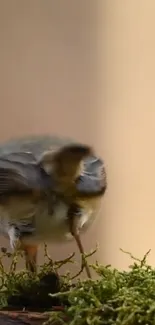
[23, 289]
[116, 297]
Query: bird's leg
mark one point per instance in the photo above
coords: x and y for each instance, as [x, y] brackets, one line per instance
[75, 232]
[30, 252]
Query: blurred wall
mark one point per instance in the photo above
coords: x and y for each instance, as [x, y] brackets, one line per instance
[128, 69]
[86, 69]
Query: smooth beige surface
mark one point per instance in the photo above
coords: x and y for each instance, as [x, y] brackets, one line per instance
[129, 129]
[86, 69]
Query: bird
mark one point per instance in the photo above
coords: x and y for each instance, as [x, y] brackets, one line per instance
[51, 188]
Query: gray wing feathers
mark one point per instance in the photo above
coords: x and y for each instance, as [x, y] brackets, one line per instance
[19, 171]
[18, 162]
[34, 144]
[93, 179]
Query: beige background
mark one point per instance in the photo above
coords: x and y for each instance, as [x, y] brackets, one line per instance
[86, 69]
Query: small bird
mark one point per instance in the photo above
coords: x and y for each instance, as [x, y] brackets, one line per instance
[50, 191]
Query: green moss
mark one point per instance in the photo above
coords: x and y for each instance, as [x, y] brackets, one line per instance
[116, 297]
[126, 298]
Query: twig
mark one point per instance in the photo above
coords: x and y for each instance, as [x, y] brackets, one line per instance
[84, 257]
[142, 262]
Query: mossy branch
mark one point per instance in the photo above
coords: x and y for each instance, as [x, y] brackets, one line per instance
[114, 298]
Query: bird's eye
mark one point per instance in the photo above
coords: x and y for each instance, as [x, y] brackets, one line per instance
[79, 179]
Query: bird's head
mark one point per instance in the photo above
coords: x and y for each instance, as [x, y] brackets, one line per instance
[75, 171]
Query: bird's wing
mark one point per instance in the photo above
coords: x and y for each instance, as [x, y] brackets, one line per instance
[19, 172]
[93, 179]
